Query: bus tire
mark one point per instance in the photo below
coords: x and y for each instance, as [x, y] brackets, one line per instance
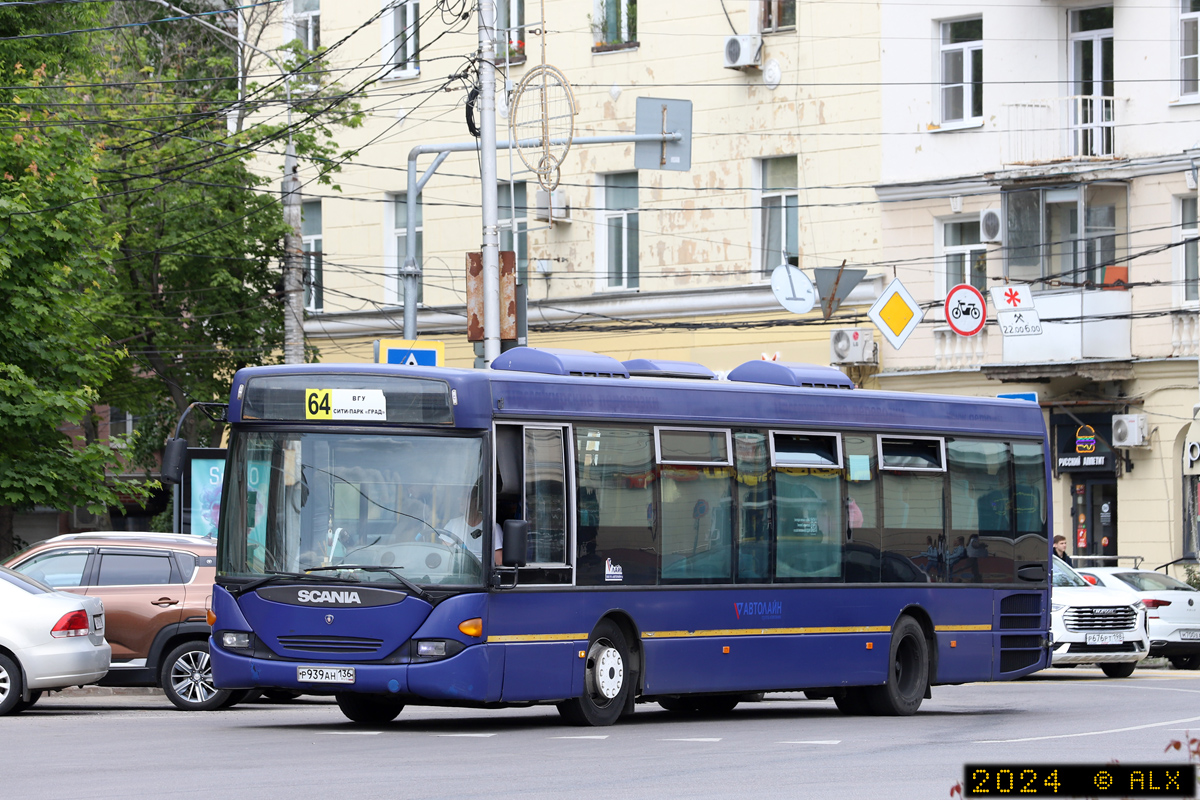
[908, 673]
[678, 705]
[368, 709]
[1122, 669]
[718, 704]
[606, 680]
[853, 702]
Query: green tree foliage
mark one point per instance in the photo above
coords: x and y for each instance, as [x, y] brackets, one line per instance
[54, 279]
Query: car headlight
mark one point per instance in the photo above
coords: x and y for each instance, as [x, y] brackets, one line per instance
[1138, 605]
[1056, 607]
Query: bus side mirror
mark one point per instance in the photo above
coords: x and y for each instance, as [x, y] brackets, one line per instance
[516, 543]
[174, 454]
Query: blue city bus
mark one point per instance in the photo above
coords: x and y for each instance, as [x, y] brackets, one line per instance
[568, 529]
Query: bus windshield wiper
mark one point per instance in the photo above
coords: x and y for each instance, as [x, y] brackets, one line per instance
[273, 576]
[412, 587]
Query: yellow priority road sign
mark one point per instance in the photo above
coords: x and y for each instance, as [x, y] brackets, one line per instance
[896, 314]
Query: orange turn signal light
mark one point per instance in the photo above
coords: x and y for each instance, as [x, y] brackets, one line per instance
[212, 618]
[472, 627]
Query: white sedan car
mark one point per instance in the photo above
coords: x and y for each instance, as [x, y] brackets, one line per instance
[1172, 610]
[1094, 625]
[48, 640]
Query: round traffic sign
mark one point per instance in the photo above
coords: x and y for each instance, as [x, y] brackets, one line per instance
[793, 289]
[966, 312]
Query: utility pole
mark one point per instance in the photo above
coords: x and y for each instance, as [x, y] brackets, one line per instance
[487, 177]
[293, 244]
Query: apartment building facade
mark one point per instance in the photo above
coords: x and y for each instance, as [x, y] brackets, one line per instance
[1054, 146]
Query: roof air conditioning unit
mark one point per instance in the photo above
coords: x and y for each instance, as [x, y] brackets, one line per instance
[743, 52]
[852, 346]
[1129, 430]
[552, 206]
[991, 226]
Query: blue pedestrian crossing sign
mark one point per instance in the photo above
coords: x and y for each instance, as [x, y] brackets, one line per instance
[424, 353]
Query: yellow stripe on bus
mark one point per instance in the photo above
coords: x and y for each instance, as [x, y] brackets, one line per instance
[539, 637]
[763, 631]
[945, 628]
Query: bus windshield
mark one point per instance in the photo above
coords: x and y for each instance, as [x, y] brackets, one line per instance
[299, 501]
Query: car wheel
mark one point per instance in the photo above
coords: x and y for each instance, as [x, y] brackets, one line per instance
[10, 685]
[367, 709]
[908, 673]
[1186, 662]
[1122, 670]
[187, 680]
[606, 680]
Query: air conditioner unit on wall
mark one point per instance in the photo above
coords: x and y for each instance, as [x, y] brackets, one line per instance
[743, 52]
[1129, 430]
[991, 226]
[852, 346]
[552, 205]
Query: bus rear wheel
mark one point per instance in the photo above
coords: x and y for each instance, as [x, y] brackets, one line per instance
[606, 680]
[367, 709]
[908, 673]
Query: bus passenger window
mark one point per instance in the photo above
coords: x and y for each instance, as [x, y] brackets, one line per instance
[754, 506]
[545, 495]
[981, 510]
[914, 540]
[1029, 501]
[618, 541]
[809, 525]
[696, 523]
[860, 556]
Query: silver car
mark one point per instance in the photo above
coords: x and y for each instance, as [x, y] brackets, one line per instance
[48, 640]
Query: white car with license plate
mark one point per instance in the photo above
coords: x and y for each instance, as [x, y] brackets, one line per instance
[1094, 625]
[1172, 610]
[48, 640]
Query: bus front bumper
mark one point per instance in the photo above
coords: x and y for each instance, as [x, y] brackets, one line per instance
[466, 676]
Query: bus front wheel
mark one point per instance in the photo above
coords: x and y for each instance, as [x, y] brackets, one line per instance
[606, 680]
[908, 673]
[366, 709]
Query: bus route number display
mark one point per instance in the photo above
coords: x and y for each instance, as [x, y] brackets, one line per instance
[1079, 780]
[364, 405]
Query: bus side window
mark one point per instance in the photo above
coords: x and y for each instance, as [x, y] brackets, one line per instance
[545, 498]
[617, 526]
[861, 554]
[1029, 502]
[914, 485]
[981, 496]
[754, 506]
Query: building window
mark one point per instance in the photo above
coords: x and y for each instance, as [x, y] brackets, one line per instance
[510, 30]
[1188, 233]
[1191, 515]
[120, 423]
[312, 239]
[614, 22]
[1189, 47]
[780, 220]
[401, 226]
[513, 214]
[965, 257]
[620, 221]
[778, 15]
[306, 22]
[1092, 102]
[401, 33]
[962, 70]
[1045, 240]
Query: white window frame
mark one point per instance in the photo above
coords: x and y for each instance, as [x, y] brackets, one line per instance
[837, 437]
[313, 300]
[658, 458]
[512, 37]
[603, 215]
[394, 250]
[941, 447]
[758, 230]
[1183, 232]
[130, 423]
[1187, 18]
[942, 252]
[293, 21]
[507, 216]
[406, 13]
[968, 77]
[599, 12]
[768, 6]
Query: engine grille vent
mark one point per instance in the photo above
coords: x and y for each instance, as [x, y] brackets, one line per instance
[1100, 618]
[330, 644]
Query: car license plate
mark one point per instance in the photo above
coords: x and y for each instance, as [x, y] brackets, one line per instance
[325, 674]
[1189, 634]
[98, 623]
[1106, 638]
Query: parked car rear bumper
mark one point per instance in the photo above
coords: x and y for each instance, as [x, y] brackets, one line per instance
[65, 662]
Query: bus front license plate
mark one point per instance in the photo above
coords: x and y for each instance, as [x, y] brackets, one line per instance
[325, 674]
[1105, 638]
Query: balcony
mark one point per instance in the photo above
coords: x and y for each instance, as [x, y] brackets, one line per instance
[1061, 129]
[1185, 334]
[951, 351]
[1077, 325]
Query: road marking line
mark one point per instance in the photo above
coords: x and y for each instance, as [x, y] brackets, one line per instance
[580, 737]
[815, 741]
[1088, 733]
[349, 733]
[467, 735]
[690, 740]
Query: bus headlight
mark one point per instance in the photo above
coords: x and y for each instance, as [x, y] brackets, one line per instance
[233, 640]
[431, 649]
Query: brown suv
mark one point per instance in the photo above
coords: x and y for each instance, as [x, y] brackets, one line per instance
[156, 588]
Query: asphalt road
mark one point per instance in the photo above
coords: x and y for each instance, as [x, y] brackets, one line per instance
[85, 745]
